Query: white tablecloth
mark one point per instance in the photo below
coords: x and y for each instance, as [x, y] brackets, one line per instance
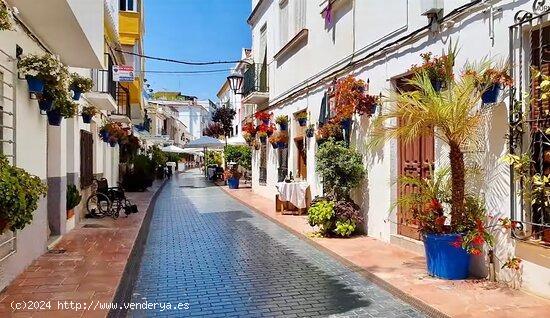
[293, 192]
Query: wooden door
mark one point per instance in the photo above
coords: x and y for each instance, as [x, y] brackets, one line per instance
[302, 157]
[415, 159]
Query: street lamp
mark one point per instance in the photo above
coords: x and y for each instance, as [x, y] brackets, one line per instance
[235, 81]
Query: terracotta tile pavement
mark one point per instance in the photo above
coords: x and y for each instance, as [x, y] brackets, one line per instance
[89, 270]
[403, 272]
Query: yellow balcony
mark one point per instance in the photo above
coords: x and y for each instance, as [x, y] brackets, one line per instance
[130, 27]
[135, 89]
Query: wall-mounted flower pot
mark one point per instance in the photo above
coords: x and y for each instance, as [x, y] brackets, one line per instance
[263, 139]
[112, 143]
[274, 145]
[302, 121]
[281, 145]
[310, 133]
[265, 121]
[269, 133]
[45, 103]
[104, 136]
[346, 123]
[283, 126]
[54, 117]
[35, 84]
[76, 93]
[444, 260]
[86, 118]
[490, 96]
[437, 85]
[233, 183]
[372, 109]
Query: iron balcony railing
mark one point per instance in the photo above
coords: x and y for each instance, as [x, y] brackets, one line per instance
[255, 79]
[123, 101]
[103, 82]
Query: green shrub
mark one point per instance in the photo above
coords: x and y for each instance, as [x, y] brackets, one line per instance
[73, 197]
[321, 213]
[340, 167]
[345, 227]
[141, 176]
[340, 218]
[239, 154]
[213, 158]
[19, 195]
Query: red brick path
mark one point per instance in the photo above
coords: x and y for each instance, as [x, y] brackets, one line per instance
[88, 272]
[403, 272]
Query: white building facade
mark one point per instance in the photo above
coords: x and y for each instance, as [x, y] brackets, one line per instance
[298, 51]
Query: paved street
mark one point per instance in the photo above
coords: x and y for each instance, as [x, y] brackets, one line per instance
[211, 252]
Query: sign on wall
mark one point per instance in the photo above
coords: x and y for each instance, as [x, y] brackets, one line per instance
[123, 73]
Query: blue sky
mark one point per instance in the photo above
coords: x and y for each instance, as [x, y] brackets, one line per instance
[194, 30]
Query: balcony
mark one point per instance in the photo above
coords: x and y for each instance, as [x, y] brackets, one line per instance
[104, 91]
[73, 29]
[123, 112]
[130, 27]
[255, 85]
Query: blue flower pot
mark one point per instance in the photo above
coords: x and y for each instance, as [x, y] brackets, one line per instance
[437, 85]
[265, 121]
[54, 117]
[76, 93]
[373, 109]
[346, 123]
[233, 183]
[104, 136]
[302, 121]
[263, 139]
[281, 145]
[283, 126]
[490, 96]
[275, 145]
[445, 260]
[112, 143]
[86, 118]
[45, 103]
[35, 84]
[310, 133]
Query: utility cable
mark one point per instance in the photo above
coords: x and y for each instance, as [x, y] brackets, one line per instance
[177, 61]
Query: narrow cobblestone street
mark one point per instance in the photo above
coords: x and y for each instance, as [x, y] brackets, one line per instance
[206, 249]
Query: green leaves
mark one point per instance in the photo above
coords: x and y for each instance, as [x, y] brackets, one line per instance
[239, 154]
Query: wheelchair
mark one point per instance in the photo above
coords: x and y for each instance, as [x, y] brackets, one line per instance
[108, 201]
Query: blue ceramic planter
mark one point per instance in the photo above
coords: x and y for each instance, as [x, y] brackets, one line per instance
[263, 139]
[490, 96]
[437, 85]
[86, 118]
[281, 145]
[265, 121]
[112, 143]
[310, 133]
[76, 94]
[445, 260]
[104, 136]
[284, 126]
[302, 121]
[35, 84]
[275, 145]
[233, 183]
[54, 117]
[346, 124]
[45, 104]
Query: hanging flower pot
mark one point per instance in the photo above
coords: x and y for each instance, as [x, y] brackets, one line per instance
[437, 85]
[233, 183]
[310, 133]
[112, 143]
[265, 121]
[86, 118]
[445, 260]
[281, 144]
[104, 135]
[35, 84]
[302, 121]
[490, 96]
[45, 103]
[76, 93]
[346, 123]
[275, 145]
[54, 117]
[372, 109]
[263, 139]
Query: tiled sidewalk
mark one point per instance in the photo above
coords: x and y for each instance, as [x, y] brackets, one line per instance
[403, 273]
[88, 272]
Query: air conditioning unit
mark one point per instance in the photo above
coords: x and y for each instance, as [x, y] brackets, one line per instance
[431, 7]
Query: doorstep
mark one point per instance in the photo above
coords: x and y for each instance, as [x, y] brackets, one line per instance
[403, 272]
[85, 265]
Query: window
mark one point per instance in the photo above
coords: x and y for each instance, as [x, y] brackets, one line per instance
[283, 22]
[86, 159]
[128, 5]
[299, 15]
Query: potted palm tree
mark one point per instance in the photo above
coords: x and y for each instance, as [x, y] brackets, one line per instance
[453, 116]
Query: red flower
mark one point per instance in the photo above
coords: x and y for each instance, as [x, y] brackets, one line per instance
[479, 225]
[458, 242]
[475, 251]
[262, 115]
[478, 240]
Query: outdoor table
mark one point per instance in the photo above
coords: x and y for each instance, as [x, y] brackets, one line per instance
[293, 192]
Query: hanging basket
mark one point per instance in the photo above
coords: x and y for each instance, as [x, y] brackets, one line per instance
[45, 103]
[274, 145]
[76, 93]
[54, 117]
[86, 118]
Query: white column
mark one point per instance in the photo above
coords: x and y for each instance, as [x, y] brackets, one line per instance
[57, 178]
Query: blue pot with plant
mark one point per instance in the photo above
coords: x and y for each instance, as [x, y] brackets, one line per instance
[346, 123]
[86, 118]
[310, 131]
[282, 120]
[437, 85]
[281, 144]
[274, 145]
[45, 103]
[76, 93]
[54, 117]
[302, 119]
[443, 259]
[104, 134]
[490, 96]
[36, 85]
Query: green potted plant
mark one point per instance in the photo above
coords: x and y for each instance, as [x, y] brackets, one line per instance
[282, 120]
[80, 84]
[490, 80]
[232, 176]
[6, 17]
[41, 70]
[302, 118]
[439, 69]
[63, 107]
[88, 112]
[20, 194]
[73, 199]
[329, 130]
[454, 116]
[334, 218]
